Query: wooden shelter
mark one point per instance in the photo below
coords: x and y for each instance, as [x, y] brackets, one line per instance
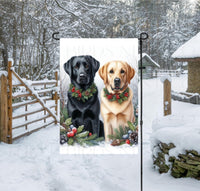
[190, 52]
[150, 65]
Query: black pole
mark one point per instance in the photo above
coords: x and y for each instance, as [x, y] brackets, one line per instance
[143, 36]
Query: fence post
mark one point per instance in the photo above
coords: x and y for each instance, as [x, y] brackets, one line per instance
[9, 102]
[167, 97]
[3, 109]
[56, 94]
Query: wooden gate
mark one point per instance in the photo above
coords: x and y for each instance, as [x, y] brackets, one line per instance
[32, 105]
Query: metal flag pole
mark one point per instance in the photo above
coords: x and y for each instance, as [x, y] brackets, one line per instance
[143, 36]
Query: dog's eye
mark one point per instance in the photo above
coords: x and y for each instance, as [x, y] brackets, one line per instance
[86, 66]
[111, 71]
[122, 71]
[77, 65]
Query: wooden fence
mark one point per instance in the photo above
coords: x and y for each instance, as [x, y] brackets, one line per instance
[167, 97]
[168, 72]
[30, 105]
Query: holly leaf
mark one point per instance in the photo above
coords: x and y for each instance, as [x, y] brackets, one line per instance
[131, 126]
[80, 129]
[125, 98]
[120, 101]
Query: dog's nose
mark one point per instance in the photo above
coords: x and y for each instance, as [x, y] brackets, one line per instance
[117, 81]
[82, 75]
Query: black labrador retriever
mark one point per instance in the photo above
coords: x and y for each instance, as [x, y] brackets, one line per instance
[83, 104]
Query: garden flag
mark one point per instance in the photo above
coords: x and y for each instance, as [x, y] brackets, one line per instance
[98, 96]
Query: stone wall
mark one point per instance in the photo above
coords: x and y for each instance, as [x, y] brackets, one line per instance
[194, 77]
[186, 164]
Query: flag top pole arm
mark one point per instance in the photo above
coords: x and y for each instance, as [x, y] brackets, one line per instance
[54, 36]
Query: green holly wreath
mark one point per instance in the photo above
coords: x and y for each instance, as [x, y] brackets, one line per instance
[120, 98]
[82, 95]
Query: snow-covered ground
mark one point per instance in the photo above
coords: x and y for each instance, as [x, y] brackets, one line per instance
[153, 109]
[33, 163]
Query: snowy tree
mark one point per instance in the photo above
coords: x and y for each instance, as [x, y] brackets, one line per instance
[26, 28]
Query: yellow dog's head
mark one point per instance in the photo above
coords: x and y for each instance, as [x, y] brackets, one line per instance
[116, 75]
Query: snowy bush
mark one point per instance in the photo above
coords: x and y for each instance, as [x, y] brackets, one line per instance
[174, 146]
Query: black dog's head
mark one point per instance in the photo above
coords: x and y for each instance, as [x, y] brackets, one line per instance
[81, 70]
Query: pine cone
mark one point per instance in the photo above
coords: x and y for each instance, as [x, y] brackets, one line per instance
[116, 142]
[133, 137]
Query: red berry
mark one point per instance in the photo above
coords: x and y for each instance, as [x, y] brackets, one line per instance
[109, 96]
[78, 91]
[117, 96]
[74, 130]
[127, 141]
[126, 94]
[80, 95]
[73, 89]
[71, 134]
[68, 134]
[90, 134]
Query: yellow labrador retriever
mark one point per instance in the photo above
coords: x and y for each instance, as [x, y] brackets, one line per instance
[116, 97]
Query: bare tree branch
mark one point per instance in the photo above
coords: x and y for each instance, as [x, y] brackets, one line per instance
[66, 9]
[53, 17]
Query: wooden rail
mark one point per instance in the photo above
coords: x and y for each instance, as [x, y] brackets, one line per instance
[31, 121]
[168, 72]
[8, 127]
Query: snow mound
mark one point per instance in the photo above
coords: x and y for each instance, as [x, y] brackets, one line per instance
[190, 49]
[183, 131]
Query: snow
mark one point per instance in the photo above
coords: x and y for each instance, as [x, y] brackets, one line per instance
[103, 148]
[190, 49]
[5, 73]
[34, 161]
[167, 129]
[166, 77]
[11, 60]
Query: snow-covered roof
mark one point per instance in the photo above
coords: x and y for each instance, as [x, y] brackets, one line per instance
[147, 56]
[191, 49]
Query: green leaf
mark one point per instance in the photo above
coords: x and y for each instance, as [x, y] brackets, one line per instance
[99, 139]
[68, 121]
[120, 101]
[70, 141]
[121, 131]
[80, 129]
[111, 136]
[81, 135]
[131, 126]
[117, 134]
[89, 143]
[125, 98]
[91, 137]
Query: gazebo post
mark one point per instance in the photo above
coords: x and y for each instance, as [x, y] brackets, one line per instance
[189, 52]
[193, 77]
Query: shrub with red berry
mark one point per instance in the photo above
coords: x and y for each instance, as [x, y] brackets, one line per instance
[71, 135]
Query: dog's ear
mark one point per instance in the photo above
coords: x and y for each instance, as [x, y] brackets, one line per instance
[130, 73]
[103, 73]
[95, 64]
[68, 66]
